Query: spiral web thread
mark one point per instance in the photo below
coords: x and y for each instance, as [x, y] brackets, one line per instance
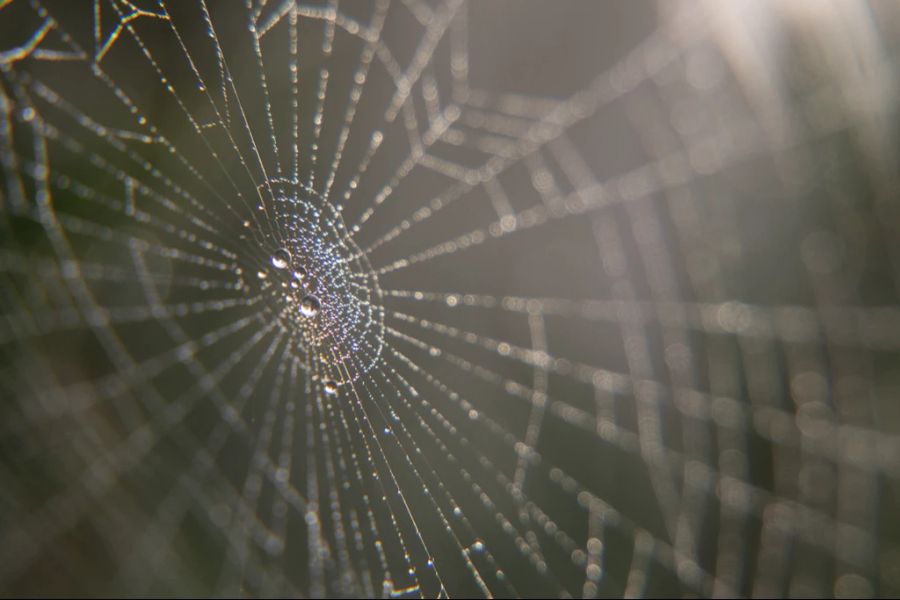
[636, 335]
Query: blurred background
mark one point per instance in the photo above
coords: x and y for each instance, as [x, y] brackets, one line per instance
[426, 298]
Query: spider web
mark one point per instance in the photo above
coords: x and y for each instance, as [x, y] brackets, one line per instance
[449, 299]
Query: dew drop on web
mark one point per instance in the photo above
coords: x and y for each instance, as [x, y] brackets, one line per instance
[281, 259]
[309, 306]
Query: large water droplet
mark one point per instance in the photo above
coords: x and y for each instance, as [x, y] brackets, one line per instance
[309, 306]
[331, 387]
[281, 258]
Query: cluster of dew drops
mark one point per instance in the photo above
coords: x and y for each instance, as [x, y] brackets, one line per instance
[309, 304]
